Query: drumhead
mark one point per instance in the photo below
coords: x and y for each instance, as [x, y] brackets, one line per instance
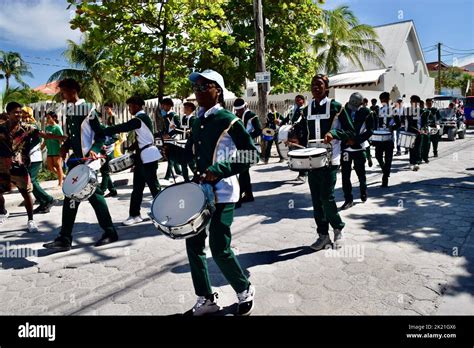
[382, 132]
[77, 178]
[311, 152]
[283, 132]
[177, 204]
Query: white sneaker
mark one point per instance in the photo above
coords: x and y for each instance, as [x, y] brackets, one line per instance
[31, 226]
[132, 220]
[301, 179]
[205, 306]
[165, 182]
[4, 217]
[246, 302]
[416, 167]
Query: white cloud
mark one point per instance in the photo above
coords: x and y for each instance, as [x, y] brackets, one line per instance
[463, 61]
[36, 24]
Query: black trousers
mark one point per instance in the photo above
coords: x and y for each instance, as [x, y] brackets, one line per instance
[143, 174]
[384, 155]
[358, 157]
[245, 184]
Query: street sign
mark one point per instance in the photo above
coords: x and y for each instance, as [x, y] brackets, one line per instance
[262, 77]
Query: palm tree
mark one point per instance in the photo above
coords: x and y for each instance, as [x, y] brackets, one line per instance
[98, 81]
[343, 36]
[12, 65]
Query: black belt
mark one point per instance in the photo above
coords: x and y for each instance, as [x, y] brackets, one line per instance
[145, 147]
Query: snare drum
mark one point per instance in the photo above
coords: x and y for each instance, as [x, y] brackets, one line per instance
[121, 163]
[283, 132]
[181, 143]
[283, 148]
[80, 183]
[406, 139]
[433, 130]
[159, 142]
[268, 134]
[308, 159]
[380, 136]
[181, 211]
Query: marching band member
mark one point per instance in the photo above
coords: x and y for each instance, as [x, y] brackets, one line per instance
[146, 156]
[293, 116]
[171, 124]
[412, 123]
[425, 143]
[296, 133]
[386, 120]
[323, 180]
[434, 119]
[216, 131]
[274, 119]
[353, 150]
[253, 127]
[108, 152]
[45, 200]
[82, 127]
[186, 126]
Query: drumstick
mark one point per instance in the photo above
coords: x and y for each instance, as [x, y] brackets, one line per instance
[296, 145]
[85, 158]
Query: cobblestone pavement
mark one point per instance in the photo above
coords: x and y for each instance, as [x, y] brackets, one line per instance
[408, 250]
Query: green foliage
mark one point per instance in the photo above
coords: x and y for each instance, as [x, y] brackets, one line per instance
[21, 95]
[201, 34]
[343, 36]
[452, 77]
[12, 65]
[100, 82]
[46, 175]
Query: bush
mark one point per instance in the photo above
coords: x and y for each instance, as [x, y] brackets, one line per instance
[45, 175]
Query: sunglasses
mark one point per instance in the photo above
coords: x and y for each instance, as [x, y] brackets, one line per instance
[202, 87]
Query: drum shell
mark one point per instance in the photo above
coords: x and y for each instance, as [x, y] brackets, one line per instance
[406, 139]
[267, 137]
[121, 163]
[87, 191]
[381, 136]
[195, 224]
[309, 162]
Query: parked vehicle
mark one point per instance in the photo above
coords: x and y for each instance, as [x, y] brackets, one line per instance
[469, 111]
[452, 123]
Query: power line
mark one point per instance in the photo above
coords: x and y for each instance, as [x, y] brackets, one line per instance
[45, 64]
[458, 49]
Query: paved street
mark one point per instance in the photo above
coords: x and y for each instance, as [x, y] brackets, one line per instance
[409, 250]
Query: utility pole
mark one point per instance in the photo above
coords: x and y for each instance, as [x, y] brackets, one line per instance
[439, 67]
[260, 50]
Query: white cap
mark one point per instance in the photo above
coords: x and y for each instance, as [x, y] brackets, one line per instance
[209, 74]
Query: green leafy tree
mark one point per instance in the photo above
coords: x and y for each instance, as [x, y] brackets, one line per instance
[343, 36]
[453, 77]
[12, 65]
[99, 81]
[165, 43]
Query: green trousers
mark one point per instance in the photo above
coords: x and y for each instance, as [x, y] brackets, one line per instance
[107, 183]
[219, 243]
[41, 196]
[172, 165]
[321, 184]
[101, 210]
[358, 158]
[143, 174]
[425, 146]
[435, 140]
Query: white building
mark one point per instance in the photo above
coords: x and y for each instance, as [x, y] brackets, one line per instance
[404, 70]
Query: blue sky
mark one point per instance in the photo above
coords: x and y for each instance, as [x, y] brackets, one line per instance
[40, 29]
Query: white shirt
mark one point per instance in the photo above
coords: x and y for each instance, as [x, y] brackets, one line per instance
[145, 137]
[227, 190]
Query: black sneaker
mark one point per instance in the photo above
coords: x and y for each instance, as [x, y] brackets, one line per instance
[111, 194]
[44, 209]
[246, 301]
[106, 239]
[370, 162]
[363, 196]
[384, 182]
[435, 154]
[347, 205]
[58, 245]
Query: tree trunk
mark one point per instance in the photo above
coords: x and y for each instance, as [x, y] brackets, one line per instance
[161, 80]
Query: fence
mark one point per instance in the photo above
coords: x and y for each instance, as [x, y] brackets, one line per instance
[151, 108]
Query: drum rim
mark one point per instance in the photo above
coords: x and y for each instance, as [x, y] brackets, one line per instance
[79, 165]
[322, 154]
[204, 206]
[381, 132]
